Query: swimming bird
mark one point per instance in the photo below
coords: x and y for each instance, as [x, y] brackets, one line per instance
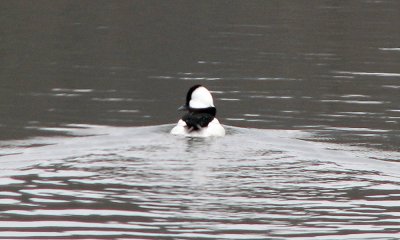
[200, 120]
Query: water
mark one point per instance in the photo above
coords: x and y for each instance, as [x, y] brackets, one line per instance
[308, 93]
[141, 182]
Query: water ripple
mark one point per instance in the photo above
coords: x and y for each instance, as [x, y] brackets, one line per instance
[251, 184]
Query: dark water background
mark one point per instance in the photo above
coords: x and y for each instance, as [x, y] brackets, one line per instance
[322, 65]
[330, 69]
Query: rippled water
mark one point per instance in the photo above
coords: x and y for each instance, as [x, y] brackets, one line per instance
[308, 93]
[143, 182]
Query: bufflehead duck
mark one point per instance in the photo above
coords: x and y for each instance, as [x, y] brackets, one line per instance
[200, 120]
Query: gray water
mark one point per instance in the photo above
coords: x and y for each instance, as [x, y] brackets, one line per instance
[307, 90]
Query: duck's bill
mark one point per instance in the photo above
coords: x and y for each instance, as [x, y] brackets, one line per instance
[183, 108]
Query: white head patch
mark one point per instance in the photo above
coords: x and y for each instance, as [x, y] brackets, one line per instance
[201, 98]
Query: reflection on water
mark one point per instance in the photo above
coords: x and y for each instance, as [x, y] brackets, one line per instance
[319, 81]
[143, 182]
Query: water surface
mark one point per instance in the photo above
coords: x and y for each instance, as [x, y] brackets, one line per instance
[142, 182]
[308, 92]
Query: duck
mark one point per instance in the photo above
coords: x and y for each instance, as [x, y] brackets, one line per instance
[199, 119]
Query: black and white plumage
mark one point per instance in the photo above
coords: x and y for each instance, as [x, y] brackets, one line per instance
[200, 117]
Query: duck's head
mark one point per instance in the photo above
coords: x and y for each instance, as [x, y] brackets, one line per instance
[198, 97]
